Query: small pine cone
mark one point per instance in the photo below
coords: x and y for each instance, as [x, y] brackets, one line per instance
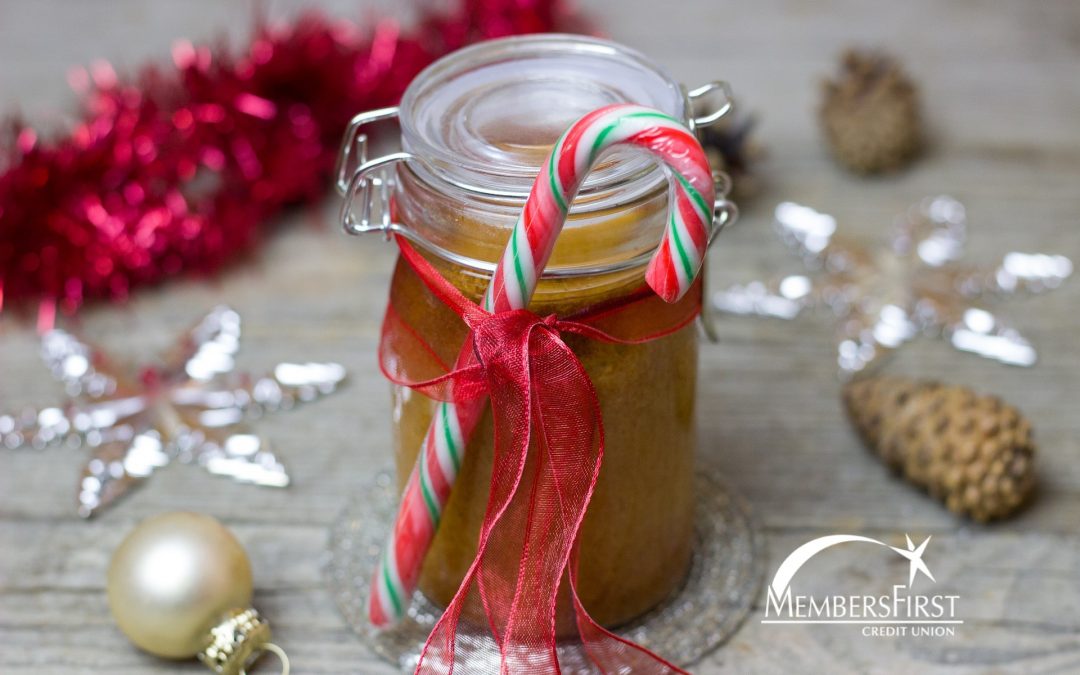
[973, 453]
[871, 114]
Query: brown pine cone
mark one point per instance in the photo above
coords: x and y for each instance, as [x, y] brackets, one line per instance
[974, 453]
[871, 113]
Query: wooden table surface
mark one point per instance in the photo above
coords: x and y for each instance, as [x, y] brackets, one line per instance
[1001, 83]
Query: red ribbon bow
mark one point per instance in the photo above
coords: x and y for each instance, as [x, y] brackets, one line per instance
[542, 399]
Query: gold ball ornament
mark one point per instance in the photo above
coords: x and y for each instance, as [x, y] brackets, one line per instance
[180, 586]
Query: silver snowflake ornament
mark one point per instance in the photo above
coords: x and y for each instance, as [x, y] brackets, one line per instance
[884, 297]
[191, 408]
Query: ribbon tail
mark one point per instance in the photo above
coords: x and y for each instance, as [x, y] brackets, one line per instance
[567, 452]
[548, 449]
[504, 360]
[609, 652]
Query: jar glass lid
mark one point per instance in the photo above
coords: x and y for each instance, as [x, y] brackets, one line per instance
[485, 118]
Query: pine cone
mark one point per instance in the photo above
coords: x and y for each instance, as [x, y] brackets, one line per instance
[871, 114]
[974, 453]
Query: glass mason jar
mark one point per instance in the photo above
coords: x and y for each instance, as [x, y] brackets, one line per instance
[475, 128]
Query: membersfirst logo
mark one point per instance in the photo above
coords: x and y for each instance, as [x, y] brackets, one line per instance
[899, 613]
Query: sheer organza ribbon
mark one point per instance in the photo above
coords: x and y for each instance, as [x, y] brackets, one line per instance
[542, 400]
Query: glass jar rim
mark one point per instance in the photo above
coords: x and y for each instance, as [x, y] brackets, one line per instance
[443, 166]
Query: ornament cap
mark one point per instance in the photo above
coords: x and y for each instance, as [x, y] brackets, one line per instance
[237, 641]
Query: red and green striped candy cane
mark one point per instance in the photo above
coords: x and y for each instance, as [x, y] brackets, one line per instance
[422, 503]
[671, 271]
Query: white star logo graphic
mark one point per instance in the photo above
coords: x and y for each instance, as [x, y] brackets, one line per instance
[914, 556]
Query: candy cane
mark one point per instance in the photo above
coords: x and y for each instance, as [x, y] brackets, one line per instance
[670, 274]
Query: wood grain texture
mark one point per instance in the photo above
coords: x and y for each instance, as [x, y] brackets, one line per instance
[1002, 97]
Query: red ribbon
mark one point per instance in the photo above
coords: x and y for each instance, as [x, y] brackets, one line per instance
[542, 399]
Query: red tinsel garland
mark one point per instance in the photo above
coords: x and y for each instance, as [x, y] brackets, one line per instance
[179, 170]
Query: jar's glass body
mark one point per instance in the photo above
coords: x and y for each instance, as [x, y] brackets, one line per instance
[636, 541]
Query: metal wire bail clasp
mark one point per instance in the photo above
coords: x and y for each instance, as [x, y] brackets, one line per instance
[709, 103]
[369, 181]
[725, 212]
[353, 150]
[372, 184]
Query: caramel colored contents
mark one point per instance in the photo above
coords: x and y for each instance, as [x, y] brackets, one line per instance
[637, 536]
